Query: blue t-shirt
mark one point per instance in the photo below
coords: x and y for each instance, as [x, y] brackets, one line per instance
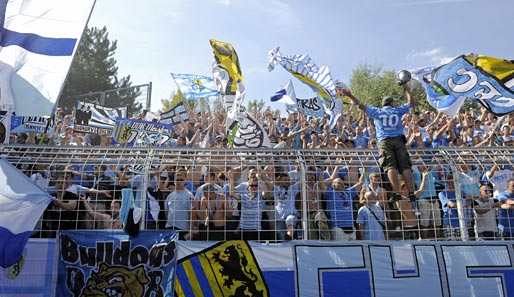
[340, 206]
[373, 230]
[430, 190]
[388, 120]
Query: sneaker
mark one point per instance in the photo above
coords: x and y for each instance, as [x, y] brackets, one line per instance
[396, 197]
[412, 197]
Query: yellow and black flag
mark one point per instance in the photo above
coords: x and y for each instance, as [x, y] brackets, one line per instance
[227, 74]
[224, 269]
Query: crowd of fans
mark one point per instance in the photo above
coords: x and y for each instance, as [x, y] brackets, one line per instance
[343, 202]
[470, 128]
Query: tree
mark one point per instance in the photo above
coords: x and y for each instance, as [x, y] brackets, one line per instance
[370, 83]
[175, 98]
[255, 106]
[94, 70]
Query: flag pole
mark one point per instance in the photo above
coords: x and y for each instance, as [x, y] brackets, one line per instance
[52, 115]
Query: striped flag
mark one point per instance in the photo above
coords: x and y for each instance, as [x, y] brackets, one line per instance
[302, 67]
[447, 104]
[37, 44]
[22, 203]
[194, 87]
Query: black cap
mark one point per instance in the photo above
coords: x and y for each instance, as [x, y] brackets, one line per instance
[387, 101]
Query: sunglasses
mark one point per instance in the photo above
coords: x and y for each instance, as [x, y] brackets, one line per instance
[252, 185]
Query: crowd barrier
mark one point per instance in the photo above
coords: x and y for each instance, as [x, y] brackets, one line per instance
[105, 263]
[156, 167]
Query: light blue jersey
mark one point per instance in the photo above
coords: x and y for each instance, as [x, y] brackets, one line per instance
[388, 120]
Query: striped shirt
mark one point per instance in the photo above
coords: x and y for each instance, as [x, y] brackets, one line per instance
[251, 209]
[339, 205]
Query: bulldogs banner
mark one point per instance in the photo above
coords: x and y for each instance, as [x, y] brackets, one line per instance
[111, 263]
[175, 115]
[130, 132]
[93, 118]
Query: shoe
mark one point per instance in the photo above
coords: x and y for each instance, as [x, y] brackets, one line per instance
[396, 197]
[412, 197]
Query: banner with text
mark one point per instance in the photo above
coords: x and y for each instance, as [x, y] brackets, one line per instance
[111, 263]
[308, 268]
[28, 124]
[94, 118]
[130, 132]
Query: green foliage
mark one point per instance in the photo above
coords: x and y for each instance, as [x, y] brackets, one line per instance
[255, 106]
[175, 98]
[94, 70]
[219, 107]
[370, 83]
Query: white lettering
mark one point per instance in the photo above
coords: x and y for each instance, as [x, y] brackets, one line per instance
[466, 86]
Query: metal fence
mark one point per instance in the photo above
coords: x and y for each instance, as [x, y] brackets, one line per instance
[297, 195]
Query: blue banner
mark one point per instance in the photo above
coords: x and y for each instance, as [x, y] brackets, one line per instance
[111, 263]
[27, 124]
[130, 132]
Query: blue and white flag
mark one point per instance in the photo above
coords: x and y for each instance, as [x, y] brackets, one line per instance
[285, 95]
[487, 79]
[336, 113]
[302, 67]
[447, 104]
[194, 87]
[37, 43]
[22, 202]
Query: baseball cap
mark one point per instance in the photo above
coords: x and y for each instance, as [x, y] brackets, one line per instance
[387, 101]
[285, 130]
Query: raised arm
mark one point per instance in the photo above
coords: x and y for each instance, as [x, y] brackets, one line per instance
[92, 213]
[232, 187]
[410, 98]
[355, 101]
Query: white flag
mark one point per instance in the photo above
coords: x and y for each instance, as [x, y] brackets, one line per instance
[37, 44]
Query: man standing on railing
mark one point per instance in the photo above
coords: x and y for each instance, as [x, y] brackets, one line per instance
[506, 213]
[394, 157]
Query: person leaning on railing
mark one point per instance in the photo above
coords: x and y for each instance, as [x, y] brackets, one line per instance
[62, 213]
[252, 206]
[111, 220]
[506, 213]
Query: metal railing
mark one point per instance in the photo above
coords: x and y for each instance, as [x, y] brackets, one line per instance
[151, 174]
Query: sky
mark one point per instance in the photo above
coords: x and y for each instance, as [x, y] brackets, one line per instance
[156, 37]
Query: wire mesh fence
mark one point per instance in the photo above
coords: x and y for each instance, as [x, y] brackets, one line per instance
[271, 195]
